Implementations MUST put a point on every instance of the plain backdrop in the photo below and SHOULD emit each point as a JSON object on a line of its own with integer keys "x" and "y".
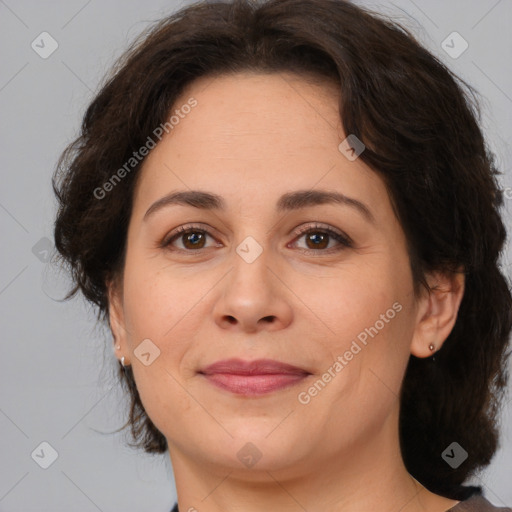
{"x": 56, "y": 365}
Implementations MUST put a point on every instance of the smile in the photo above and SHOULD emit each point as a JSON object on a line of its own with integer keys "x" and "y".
{"x": 252, "y": 378}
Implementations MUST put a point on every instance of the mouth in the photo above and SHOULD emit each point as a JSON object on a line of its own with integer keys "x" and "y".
{"x": 253, "y": 378}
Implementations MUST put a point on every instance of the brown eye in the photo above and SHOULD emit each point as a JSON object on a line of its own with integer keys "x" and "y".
{"x": 186, "y": 239}
{"x": 320, "y": 239}
{"x": 317, "y": 240}
{"x": 193, "y": 240}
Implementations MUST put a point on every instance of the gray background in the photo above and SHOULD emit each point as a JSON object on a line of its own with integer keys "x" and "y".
{"x": 56, "y": 369}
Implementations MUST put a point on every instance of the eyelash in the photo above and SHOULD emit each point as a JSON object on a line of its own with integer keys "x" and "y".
{"x": 344, "y": 240}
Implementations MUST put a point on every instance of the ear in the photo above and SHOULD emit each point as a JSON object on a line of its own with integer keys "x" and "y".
{"x": 116, "y": 315}
{"x": 437, "y": 312}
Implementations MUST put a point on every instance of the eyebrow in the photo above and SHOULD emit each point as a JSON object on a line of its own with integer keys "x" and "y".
{"x": 287, "y": 202}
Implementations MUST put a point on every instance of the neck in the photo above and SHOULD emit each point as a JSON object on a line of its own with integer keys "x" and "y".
{"x": 367, "y": 475}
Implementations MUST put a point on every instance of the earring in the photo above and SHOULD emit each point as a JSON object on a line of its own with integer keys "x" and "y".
{"x": 432, "y": 348}
{"x": 122, "y": 361}
{"x": 118, "y": 347}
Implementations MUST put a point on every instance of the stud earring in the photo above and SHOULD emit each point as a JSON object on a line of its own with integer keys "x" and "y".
{"x": 118, "y": 347}
{"x": 432, "y": 348}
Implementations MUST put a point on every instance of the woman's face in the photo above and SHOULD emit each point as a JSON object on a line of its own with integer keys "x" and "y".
{"x": 262, "y": 274}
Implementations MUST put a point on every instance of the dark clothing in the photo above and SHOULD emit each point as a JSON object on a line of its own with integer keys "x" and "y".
{"x": 475, "y": 503}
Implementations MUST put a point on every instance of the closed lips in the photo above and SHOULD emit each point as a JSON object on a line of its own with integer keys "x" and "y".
{"x": 253, "y": 378}
{"x": 256, "y": 367}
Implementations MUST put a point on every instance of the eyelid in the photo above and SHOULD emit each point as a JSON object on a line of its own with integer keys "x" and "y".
{"x": 175, "y": 233}
{"x": 342, "y": 238}
{"x": 344, "y": 241}
{"x": 323, "y": 227}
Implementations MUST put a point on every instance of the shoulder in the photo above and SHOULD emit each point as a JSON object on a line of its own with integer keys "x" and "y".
{"x": 478, "y": 504}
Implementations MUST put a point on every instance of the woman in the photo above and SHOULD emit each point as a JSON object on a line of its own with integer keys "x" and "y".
{"x": 287, "y": 214}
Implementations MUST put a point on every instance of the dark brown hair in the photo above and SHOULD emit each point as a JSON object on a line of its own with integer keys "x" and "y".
{"x": 419, "y": 123}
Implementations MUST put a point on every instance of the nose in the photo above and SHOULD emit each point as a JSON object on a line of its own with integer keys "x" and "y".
{"x": 253, "y": 298}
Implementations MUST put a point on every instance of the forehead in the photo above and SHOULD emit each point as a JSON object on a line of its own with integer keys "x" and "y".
{"x": 283, "y": 111}
{"x": 252, "y": 134}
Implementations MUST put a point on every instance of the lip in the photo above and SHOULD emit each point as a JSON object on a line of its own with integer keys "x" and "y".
{"x": 251, "y": 378}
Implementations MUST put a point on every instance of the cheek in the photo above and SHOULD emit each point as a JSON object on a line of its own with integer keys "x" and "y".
{"x": 164, "y": 400}
{"x": 355, "y": 300}
{"x": 156, "y": 306}
{"x": 155, "y": 299}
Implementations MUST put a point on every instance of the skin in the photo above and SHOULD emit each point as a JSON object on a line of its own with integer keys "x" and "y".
{"x": 250, "y": 139}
